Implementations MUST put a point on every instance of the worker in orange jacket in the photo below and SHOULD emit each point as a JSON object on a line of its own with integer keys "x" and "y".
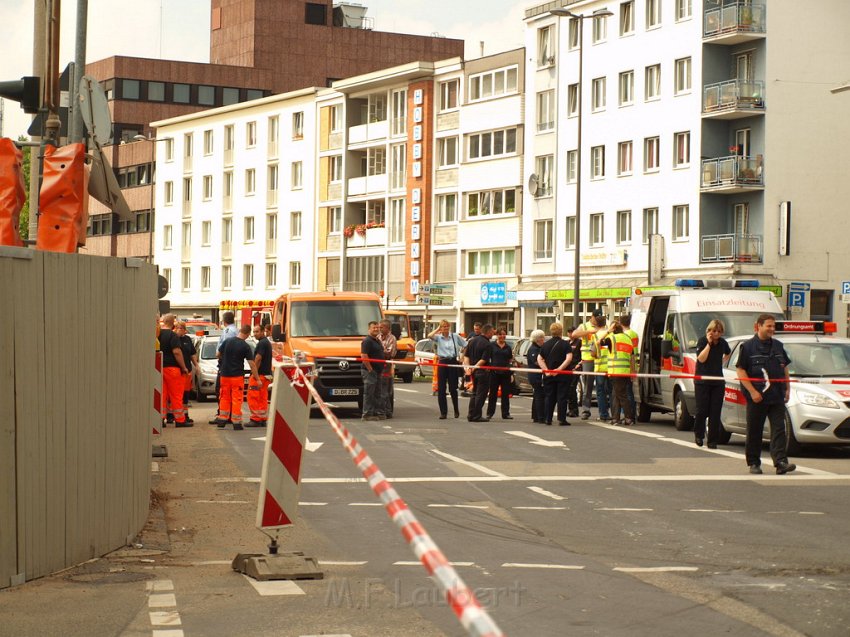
{"x": 258, "y": 390}
{"x": 174, "y": 371}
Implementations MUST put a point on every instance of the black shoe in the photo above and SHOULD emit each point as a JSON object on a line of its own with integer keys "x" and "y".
{"x": 443, "y": 416}
{"x": 457, "y": 414}
{"x": 563, "y": 423}
{"x": 549, "y": 422}
{"x": 255, "y": 423}
{"x": 237, "y": 427}
{"x": 214, "y": 421}
{"x": 572, "y": 414}
{"x": 220, "y": 422}
{"x": 187, "y": 423}
{"x": 474, "y": 419}
{"x": 508, "y": 417}
{"x": 785, "y": 467}
{"x": 698, "y": 441}
{"x": 169, "y": 420}
{"x": 712, "y": 445}
{"x": 754, "y": 468}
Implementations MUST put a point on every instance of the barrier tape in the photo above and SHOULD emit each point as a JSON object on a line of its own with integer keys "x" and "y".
{"x": 475, "y": 620}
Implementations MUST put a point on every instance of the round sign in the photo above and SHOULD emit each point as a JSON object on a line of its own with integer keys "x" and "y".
{"x": 484, "y": 293}
{"x": 161, "y": 286}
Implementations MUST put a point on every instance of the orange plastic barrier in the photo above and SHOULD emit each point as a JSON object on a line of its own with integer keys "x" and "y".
{"x": 12, "y": 192}
{"x": 64, "y": 199}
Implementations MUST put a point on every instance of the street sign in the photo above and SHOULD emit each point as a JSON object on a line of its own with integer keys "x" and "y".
{"x": 796, "y": 298}
{"x": 845, "y": 287}
{"x": 425, "y": 300}
{"x": 800, "y": 287}
{"x": 494, "y": 293}
{"x": 443, "y": 289}
{"x": 845, "y": 298}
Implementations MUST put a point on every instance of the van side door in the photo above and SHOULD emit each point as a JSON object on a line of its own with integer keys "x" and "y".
{"x": 672, "y": 356}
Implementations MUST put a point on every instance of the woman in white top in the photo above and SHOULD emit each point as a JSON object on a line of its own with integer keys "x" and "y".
{"x": 449, "y": 348}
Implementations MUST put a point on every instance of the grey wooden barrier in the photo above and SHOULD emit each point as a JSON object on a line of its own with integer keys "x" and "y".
{"x": 76, "y": 407}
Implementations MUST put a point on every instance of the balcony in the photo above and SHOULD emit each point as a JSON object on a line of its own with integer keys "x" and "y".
{"x": 734, "y": 21}
{"x": 374, "y": 237}
{"x": 732, "y": 174}
{"x": 367, "y": 185}
{"x": 733, "y": 99}
{"x": 731, "y": 248}
{"x": 371, "y": 132}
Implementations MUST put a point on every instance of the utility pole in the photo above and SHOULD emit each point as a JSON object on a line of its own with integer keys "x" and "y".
{"x": 39, "y": 69}
{"x": 75, "y": 117}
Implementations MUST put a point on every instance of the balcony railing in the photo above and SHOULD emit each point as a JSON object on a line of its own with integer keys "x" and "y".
{"x": 373, "y": 237}
{"x": 735, "y": 248}
{"x": 733, "y": 172}
{"x": 733, "y": 17}
{"x": 372, "y": 131}
{"x": 367, "y": 185}
{"x": 733, "y": 95}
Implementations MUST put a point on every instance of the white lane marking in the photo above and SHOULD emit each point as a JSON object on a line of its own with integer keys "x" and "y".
{"x": 468, "y": 463}
{"x": 162, "y": 600}
{"x": 365, "y": 504}
{"x": 334, "y": 563}
{"x": 458, "y": 506}
{"x": 165, "y": 618}
{"x": 412, "y": 563}
{"x": 160, "y": 585}
{"x": 275, "y": 587}
{"x": 548, "y": 494}
{"x": 154, "y": 467}
{"x": 565, "y": 567}
{"x": 312, "y": 446}
{"x": 167, "y": 633}
{"x": 339, "y": 635}
{"x": 224, "y": 480}
{"x": 812, "y": 513}
{"x": 540, "y": 508}
{"x": 312, "y": 504}
{"x": 222, "y": 501}
{"x": 619, "y": 509}
{"x": 712, "y": 510}
{"x": 657, "y": 569}
{"x": 627, "y": 478}
{"x": 409, "y": 391}
{"x": 261, "y": 438}
{"x": 212, "y": 563}
{"x": 536, "y": 440}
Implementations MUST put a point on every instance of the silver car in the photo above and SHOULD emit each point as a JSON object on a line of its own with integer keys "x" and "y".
{"x": 204, "y": 381}
{"x": 818, "y": 411}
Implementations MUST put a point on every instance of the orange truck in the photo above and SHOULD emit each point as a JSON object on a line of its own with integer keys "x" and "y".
{"x": 326, "y": 328}
{"x": 400, "y": 327}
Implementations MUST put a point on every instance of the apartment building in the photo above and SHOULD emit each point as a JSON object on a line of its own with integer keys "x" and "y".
{"x": 694, "y": 115}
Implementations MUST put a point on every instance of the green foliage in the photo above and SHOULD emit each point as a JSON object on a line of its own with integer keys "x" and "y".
{"x": 25, "y": 211}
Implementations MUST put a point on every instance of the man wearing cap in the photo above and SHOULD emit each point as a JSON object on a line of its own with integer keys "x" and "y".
{"x": 587, "y": 333}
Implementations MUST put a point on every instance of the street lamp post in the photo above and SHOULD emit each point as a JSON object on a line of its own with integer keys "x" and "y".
{"x": 561, "y": 12}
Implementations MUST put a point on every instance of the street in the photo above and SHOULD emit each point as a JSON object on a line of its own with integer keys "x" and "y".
{"x": 581, "y": 530}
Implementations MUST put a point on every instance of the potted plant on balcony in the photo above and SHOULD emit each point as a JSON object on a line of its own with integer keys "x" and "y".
{"x": 348, "y": 232}
{"x": 360, "y": 229}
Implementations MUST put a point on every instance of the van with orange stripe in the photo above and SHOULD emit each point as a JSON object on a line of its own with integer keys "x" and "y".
{"x": 669, "y": 322}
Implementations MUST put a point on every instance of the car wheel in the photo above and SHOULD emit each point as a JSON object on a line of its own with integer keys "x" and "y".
{"x": 683, "y": 420}
{"x": 644, "y": 412}
{"x": 408, "y": 377}
{"x": 417, "y": 372}
{"x": 792, "y": 447}
{"x": 725, "y": 436}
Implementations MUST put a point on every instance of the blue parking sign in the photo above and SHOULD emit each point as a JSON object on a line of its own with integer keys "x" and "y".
{"x": 796, "y": 298}
{"x": 845, "y": 287}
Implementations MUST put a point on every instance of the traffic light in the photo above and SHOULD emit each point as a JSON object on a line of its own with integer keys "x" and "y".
{"x": 26, "y": 90}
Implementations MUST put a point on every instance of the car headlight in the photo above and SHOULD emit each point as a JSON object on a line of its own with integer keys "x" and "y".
{"x": 817, "y": 400}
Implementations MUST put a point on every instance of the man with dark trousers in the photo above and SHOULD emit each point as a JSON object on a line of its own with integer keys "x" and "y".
{"x": 258, "y": 393}
{"x": 477, "y": 354}
{"x": 372, "y": 356}
{"x": 554, "y": 357}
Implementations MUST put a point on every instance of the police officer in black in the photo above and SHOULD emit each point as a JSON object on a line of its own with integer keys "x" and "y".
{"x": 555, "y": 356}
{"x": 478, "y": 353}
{"x": 764, "y": 357}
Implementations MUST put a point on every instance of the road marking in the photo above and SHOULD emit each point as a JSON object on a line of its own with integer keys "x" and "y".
{"x": 261, "y": 439}
{"x": 332, "y": 563}
{"x": 713, "y": 511}
{"x": 160, "y": 585}
{"x": 657, "y": 569}
{"x": 540, "y": 508}
{"x": 548, "y": 494}
{"x": 565, "y": 567}
{"x": 409, "y": 391}
{"x": 340, "y": 635}
{"x": 165, "y": 618}
{"x": 536, "y": 440}
{"x": 458, "y": 506}
{"x": 619, "y": 509}
{"x": 365, "y": 504}
{"x": 627, "y": 478}
{"x": 412, "y": 563}
{"x": 275, "y": 587}
{"x": 154, "y": 467}
{"x": 312, "y": 446}
{"x": 222, "y": 501}
{"x": 212, "y": 563}
{"x": 478, "y": 467}
{"x": 312, "y": 504}
{"x": 162, "y": 600}
{"x": 167, "y": 633}
{"x": 812, "y": 513}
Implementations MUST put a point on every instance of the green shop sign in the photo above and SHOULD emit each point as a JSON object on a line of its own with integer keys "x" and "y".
{"x": 624, "y": 293}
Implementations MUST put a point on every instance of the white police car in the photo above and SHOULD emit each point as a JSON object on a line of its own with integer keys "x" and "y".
{"x": 818, "y": 410}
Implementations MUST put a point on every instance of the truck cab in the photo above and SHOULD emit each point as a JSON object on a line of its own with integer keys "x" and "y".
{"x": 400, "y": 327}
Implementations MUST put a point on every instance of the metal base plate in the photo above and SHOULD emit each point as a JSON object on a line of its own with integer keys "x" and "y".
{"x": 159, "y": 451}
{"x": 292, "y": 565}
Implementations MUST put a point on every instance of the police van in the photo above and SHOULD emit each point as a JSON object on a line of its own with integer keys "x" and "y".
{"x": 669, "y": 323}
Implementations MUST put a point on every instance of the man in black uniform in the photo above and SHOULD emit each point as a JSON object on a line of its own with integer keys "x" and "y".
{"x": 190, "y": 357}
{"x": 258, "y": 393}
{"x": 764, "y": 357}
{"x": 477, "y": 354}
{"x": 556, "y": 356}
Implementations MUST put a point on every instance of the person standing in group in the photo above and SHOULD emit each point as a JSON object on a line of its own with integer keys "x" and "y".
{"x": 232, "y": 357}
{"x": 573, "y": 366}
{"x": 554, "y": 358}
{"x": 713, "y": 352}
{"x": 535, "y": 379}
{"x": 586, "y": 332}
{"x": 390, "y": 345}
{"x": 258, "y": 392}
{"x": 478, "y": 353}
{"x": 501, "y": 357}
{"x": 626, "y": 322}
{"x": 190, "y": 357}
{"x": 764, "y": 357}
{"x": 469, "y": 387}
{"x": 620, "y": 368}
{"x": 230, "y": 331}
{"x": 449, "y": 348}
{"x": 174, "y": 371}
{"x": 372, "y": 355}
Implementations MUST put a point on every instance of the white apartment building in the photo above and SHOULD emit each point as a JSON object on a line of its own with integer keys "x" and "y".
{"x": 698, "y": 124}
{"x": 235, "y": 202}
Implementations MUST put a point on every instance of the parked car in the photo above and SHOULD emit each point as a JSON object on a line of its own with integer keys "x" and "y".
{"x": 521, "y": 360}
{"x": 204, "y": 380}
{"x": 424, "y": 355}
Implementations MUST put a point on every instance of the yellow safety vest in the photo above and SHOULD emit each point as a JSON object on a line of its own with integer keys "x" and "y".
{"x": 632, "y": 335}
{"x": 601, "y": 364}
{"x": 620, "y": 362}
{"x": 586, "y": 342}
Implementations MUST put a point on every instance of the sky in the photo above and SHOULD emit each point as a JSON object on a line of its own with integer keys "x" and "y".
{"x": 179, "y": 30}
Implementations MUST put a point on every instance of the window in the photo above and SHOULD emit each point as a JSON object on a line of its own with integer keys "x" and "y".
{"x": 493, "y": 84}
{"x": 166, "y": 272}
{"x": 574, "y": 34}
{"x": 271, "y": 226}
{"x": 447, "y": 208}
{"x": 336, "y": 118}
{"x": 251, "y": 134}
{"x": 336, "y": 169}
{"x": 484, "y": 262}
{"x": 208, "y": 142}
{"x": 597, "y": 162}
{"x": 627, "y": 88}
{"x": 624, "y": 158}
{"x": 273, "y": 127}
{"x": 169, "y": 149}
{"x": 570, "y": 237}
{"x": 273, "y": 177}
{"x": 377, "y": 106}
{"x": 205, "y": 277}
{"x": 298, "y": 125}
{"x": 597, "y": 229}
{"x": 248, "y": 276}
{"x": 167, "y": 232}
{"x": 545, "y": 111}
{"x": 229, "y": 96}
{"x": 492, "y": 143}
{"x": 572, "y": 100}
{"x": 398, "y": 167}
{"x": 187, "y": 145}
{"x": 545, "y": 47}
{"x": 375, "y": 212}
{"x": 187, "y": 190}
{"x": 572, "y": 166}
{"x": 627, "y": 17}
{"x": 226, "y": 277}
{"x": 249, "y": 229}
{"x": 683, "y": 76}
{"x": 181, "y": 94}
{"x": 600, "y": 29}
{"x": 650, "y": 223}
{"x": 334, "y": 220}
{"x": 271, "y": 275}
{"x": 186, "y": 278}
{"x": 228, "y": 184}
{"x": 206, "y": 95}
{"x": 297, "y": 175}
{"x": 156, "y": 91}
{"x": 398, "y": 106}
{"x": 448, "y": 95}
{"x": 682, "y": 144}
{"x": 169, "y": 193}
{"x": 206, "y": 233}
{"x": 229, "y": 138}
{"x": 599, "y": 89}
{"x": 397, "y": 218}
{"x": 208, "y": 187}
{"x": 653, "y": 82}
{"x": 545, "y": 169}
{"x": 624, "y": 227}
{"x": 315, "y": 13}
{"x": 130, "y": 89}
{"x": 684, "y": 9}
{"x": 250, "y": 181}
{"x": 680, "y": 222}
{"x": 447, "y": 154}
{"x": 653, "y": 13}
{"x": 295, "y": 225}
{"x": 376, "y": 161}
{"x": 651, "y": 154}
{"x": 543, "y": 240}
{"x": 295, "y": 274}
{"x": 226, "y": 231}
{"x": 490, "y": 202}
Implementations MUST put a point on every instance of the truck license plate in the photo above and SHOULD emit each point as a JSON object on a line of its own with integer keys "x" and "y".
{"x": 345, "y": 392}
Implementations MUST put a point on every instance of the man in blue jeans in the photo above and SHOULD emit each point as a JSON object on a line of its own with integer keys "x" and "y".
{"x": 372, "y": 354}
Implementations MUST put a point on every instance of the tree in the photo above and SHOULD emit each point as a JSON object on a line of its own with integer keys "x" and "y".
{"x": 25, "y": 211}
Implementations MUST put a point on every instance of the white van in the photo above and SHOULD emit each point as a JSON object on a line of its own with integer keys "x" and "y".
{"x": 669, "y": 323}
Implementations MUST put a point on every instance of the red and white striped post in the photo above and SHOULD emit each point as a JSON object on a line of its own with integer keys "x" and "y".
{"x": 156, "y": 417}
